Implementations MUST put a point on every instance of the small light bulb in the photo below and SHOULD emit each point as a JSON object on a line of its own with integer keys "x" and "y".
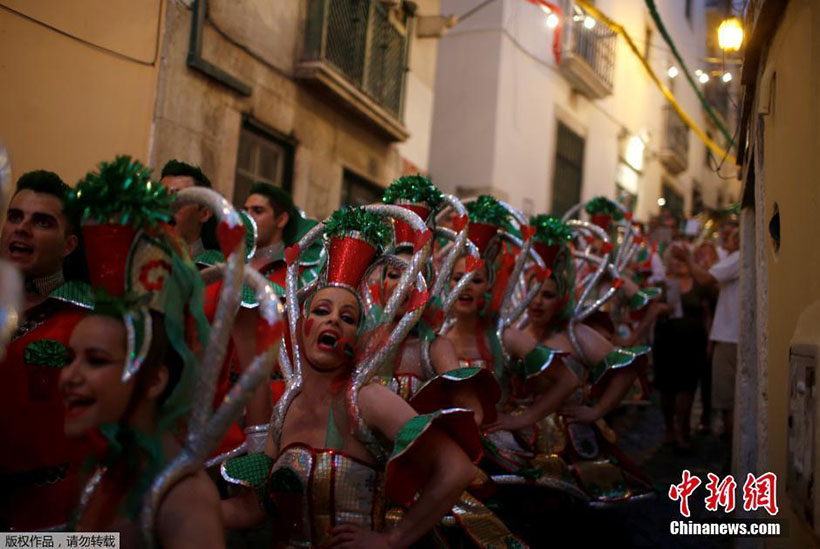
{"x": 703, "y": 78}
{"x": 552, "y": 20}
{"x": 661, "y": 201}
{"x": 698, "y": 72}
{"x": 672, "y": 71}
{"x": 727, "y": 77}
{"x": 589, "y": 22}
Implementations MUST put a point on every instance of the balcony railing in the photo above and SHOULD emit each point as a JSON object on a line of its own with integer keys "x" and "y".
{"x": 358, "y": 49}
{"x": 675, "y": 146}
{"x": 588, "y": 61}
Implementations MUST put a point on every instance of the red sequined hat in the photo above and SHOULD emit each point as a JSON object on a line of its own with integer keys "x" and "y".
{"x": 354, "y": 237}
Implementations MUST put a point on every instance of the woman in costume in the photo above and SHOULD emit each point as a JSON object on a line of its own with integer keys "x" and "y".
{"x": 424, "y": 358}
{"x": 578, "y": 435}
{"x": 133, "y": 376}
{"x": 474, "y": 332}
{"x": 325, "y": 476}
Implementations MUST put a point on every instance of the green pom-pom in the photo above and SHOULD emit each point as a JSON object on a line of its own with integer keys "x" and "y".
{"x": 121, "y": 192}
{"x": 415, "y": 188}
{"x": 486, "y": 209}
{"x": 370, "y": 226}
{"x": 550, "y": 230}
{"x": 604, "y": 206}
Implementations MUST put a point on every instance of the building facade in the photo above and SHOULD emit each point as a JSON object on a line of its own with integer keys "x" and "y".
{"x": 780, "y": 295}
{"x": 79, "y": 82}
{"x": 331, "y": 100}
{"x": 545, "y": 121}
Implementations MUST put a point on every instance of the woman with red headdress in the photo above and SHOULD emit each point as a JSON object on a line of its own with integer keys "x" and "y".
{"x": 132, "y": 365}
{"x": 576, "y": 444}
{"x": 326, "y": 476}
{"x": 516, "y": 357}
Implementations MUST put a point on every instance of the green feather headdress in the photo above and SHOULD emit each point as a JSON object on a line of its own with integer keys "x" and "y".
{"x": 414, "y": 188}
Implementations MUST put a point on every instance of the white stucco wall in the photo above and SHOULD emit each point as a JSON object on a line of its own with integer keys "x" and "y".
{"x": 510, "y": 39}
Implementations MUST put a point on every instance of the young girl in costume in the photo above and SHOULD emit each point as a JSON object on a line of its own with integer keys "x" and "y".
{"x": 326, "y": 476}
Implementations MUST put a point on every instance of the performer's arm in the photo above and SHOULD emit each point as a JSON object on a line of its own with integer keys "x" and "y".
{"x": 447, "y": 467}
{"x": 189, "y": 516}
{"x": 260, "y": 407}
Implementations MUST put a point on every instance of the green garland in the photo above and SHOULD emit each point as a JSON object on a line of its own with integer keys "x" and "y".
{"x": 604, "y": 206}
{"x": 415, "y": 188}
{"x": 486, "y": 209}
{"x": 371, "y": 226}
{"x": 121, "y": 192}
{"x": 550, "y": 230}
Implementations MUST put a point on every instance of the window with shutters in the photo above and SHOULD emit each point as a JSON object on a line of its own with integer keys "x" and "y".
{"x": 261, "y": 157}
{"x": 569, "y": 162}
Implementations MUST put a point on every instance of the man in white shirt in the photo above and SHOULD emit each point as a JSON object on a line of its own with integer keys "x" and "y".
{"x": 725, "y": 276}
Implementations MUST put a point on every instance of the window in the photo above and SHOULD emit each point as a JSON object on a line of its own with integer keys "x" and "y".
{"x": 569, "y": 161}
{"x": 674, "y": 200}
{"x": 697, "y": 199}
{"x": 626, "y": 185}
{"x": 262, "y": 157}
{"x": 688, "y": 9}
{"x": 358, "y": 191}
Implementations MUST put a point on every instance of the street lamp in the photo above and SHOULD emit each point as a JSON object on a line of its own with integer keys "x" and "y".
{"x": 727, "y": 77}
{"x": 730, "y": 34}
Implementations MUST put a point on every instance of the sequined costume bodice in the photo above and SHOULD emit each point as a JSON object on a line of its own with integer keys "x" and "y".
{"x": 406, "y": 385}
{"x": 316, "y": 489}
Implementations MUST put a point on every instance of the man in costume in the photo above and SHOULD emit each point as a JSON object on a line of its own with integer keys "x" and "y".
{"x": 190, "y": 220}
{"x": 279, "y": 224}
{"x": 38, "y": 482}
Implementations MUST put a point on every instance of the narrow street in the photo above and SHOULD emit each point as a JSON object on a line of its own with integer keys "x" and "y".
{"x": 645, "y": 524}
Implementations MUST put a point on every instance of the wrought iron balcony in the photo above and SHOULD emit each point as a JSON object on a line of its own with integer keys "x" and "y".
{"x": 357, "y": 50}
{"x": 674, "y": 153}
{"x": 588, "y": 61}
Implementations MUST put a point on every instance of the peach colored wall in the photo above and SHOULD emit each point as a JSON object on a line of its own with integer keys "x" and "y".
{"x": 66, "y": 105}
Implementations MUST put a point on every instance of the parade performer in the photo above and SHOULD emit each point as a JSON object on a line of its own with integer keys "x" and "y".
{"x": 279, "y": 224}
{"x": 578, "y": 440}
{"x": 425, "y": 370}
{"x": 197, "y": 226}
{"x": 327, "y": 476}
{"x": 474, "y": 388}
{"x": 133, "y": 375}
{"x": 474, "y": 331}
{"x": 39, "y": 469}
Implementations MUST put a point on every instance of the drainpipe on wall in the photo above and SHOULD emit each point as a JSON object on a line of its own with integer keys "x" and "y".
{"x": 195, "y": 60}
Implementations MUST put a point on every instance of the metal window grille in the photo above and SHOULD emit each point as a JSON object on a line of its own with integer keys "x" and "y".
{"x": 674, "y": 200}
{"x": 365, "y": 42}
{"x": 596, "y": 46}
{"x": 569, "y": 161}
{"x": 676, "y": 133}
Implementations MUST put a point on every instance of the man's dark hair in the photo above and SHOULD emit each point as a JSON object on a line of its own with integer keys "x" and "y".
{"x": 45, "y": 182}
{"x": 278, "y": 198}
{"x": 176, "y": 168}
